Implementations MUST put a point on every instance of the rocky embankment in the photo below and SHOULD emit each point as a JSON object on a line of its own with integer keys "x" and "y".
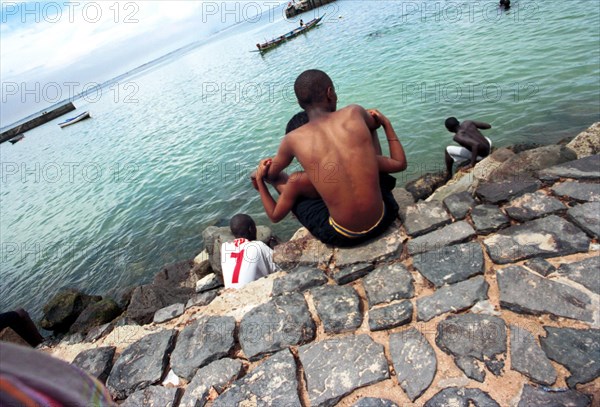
{"x": 486, "y": 294}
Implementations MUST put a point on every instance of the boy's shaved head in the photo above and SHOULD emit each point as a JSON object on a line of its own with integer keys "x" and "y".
{"x": 311, "y": 87}
{"x": 242, "y": 225}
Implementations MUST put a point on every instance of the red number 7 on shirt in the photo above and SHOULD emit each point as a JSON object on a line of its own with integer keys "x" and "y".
{"x": 239, "y": 258}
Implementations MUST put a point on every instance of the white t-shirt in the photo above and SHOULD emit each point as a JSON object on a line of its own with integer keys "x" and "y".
{"x": 244, "y": 261}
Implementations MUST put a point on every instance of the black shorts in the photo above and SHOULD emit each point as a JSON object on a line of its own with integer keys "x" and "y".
{"x": 314, "y": 216}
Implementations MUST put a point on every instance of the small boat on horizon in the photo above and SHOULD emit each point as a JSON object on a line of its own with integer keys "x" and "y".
{"x": 73, "y": 120}
{"x": 266, "y": 46}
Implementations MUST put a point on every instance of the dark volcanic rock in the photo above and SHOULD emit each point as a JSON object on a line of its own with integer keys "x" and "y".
{"x": 203, "y": 341}
{"x": 152, "y": 396}
{"x": 533, "y": 206}
{"x": 454, "y": 233}
{"x": 584, "y": 168}
{"x": 424, "y": 217}
{"x": 388, "y": 246}
{"x": 498, "y": 192}
{"x": 424, "y": 186}
{"x": 141, "y": 364}
{"x": 547, "y": 237}
{"x": 149, "y": 298}
{"x": 587, "y": 217}
{"x": 168, "y": 313}
{"x": 456, "y": 297}
{"x": 471, "y": 337}
{"x": 576, "y": 349}
{"x": 98, "y": 332}
{"x": 579, "y": 191}
{"x": 96, "y": 361}
{"x": 540, "y": 266}
{"x": 351, "y": 273}
{"x": 404, "y": 199}
{"x": 96, "y": 314}
{"x": 535, "y": 396}
{"x": 374, "y": 402}
{"x": 338, "y": 308}
{"x": 270, "y": 327}
{"x": 390, "y": 316}
{"x": 488, "y": 218}
{"x": 459, "y": 204}
{"x": 299, "y": 281}
{"x": 273, "y": 383}
{"x": 333, "y": 368}
{"x": 64, "y": 308}
{"x": 528, "y": 358}
{"x": 388, "y": 283}
{"x": 450, "y": 264}
{"x": 585, "y": 272}
{"x": 218, "y": 374}
{"x": 202, "y": 299}
{"x": 461, "y": 397}
{"x": 414, "y": 361}
{"x": 528, "y": 293}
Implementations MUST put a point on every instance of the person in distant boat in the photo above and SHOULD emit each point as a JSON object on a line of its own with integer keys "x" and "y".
{"x": 298, "y": 185}
{"x": 245, "y": 259}
{"x": 338, "y": 153}
{"x": 505, "y": 4}
{"x": 301, "y": 23}
{"x": 473, "y": 145}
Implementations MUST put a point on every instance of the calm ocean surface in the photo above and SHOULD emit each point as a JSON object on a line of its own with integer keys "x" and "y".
{"x": 103, "y": 204}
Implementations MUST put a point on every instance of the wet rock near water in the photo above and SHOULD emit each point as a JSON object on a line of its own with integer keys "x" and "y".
{"x": 528, "y": 358}
{"x": 528, "y": 293}
{"x": 141, "y": 364}
{"x": 284, "y": 321}
{"x": 578, "y": 191}
{"x": 299, "y": 280}
{"x": 457, "y": 232}
{"x": 388, "y": 283}
{"x": 390, "y": 316}
{"x": 98, "y": 332}
{"x": 203, "y": 341}
{"x": 153, "y": 396}
{"x": 576, "y": 349}
{"x": 350, "y": 273}
{"x": 386, "y": 247}
{"x": 541, "y": 396}
{"x": 547, "y": 237}
{"x": 586, "y": 217}
{"x": 338, "y": 308}
{"x": 452, "y": 298}
{"x": 459, "y": 204}
{"x": 585, "y": 272}
{"x": 97, "y": 361}
{"x": 424, "y": 217}
{"x": 207, "y": 283}
{"x": 218, "y": 374}
{"x": 273, "y": 383}
{"x": 587, "y": 142}
{"x": 471, "y": 338}
{"x": 488, "y": 219}
{"x": 149, "y": 298}
{"x": 499, "y": 192}
{"x": 533, "y": 206}
{"x": 424, "y": 186}
{"x": 333, "y": 368}
{"x": 96, "y": 314}
{"x": 451, "y": 264}
{"x": 64, "y": 308}
{"x": 414, "y": 361}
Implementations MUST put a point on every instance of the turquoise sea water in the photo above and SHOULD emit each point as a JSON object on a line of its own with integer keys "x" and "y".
{"x": 102, "y": 205}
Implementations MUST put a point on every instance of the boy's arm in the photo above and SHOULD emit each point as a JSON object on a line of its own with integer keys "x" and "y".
{"x": 481, "y": 125}
{"x": 280, "y": 162}
{"x": 397, "y": 160}
{"x": 276, "y": 210}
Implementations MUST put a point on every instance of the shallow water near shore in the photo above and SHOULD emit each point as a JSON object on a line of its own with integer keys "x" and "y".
{"x": 103, "y": 204}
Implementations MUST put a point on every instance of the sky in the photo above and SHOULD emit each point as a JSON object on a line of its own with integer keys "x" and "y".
{"x": 50, "y": 50}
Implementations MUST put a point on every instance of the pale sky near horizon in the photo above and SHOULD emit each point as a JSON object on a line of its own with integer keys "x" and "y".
{"x": 43, "y": 43}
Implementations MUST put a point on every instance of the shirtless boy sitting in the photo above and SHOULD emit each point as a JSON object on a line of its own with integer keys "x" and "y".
{"x": 339, "y": 156}
{"x": 474, "y": 146}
